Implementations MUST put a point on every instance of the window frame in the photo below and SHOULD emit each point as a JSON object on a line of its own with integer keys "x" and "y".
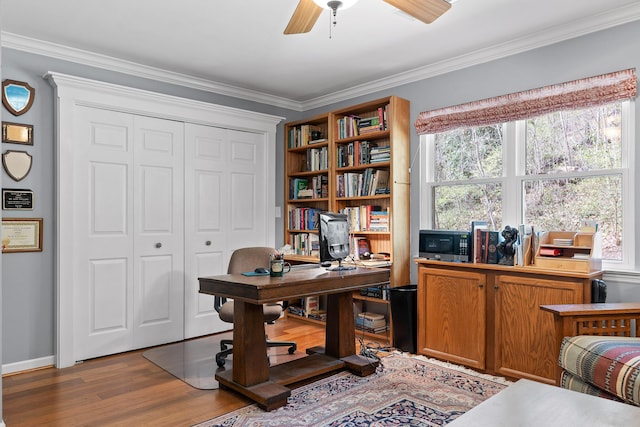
{"x": 513, "y": 180}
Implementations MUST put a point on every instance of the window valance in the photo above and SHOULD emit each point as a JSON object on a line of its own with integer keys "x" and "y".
{"x": 572, "y": 95}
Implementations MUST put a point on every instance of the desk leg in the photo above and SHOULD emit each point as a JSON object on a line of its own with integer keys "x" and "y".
{"x": 340, "y": 340}
{"x": 250, "y": 372}
{"x": 250, "y": 364}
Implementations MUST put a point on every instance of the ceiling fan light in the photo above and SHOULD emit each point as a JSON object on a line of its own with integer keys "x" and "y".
{"x": 345, "y": 4}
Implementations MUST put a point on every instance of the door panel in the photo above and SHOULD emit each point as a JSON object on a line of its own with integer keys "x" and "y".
{"x": 226, "y": 208}
{"x": 103, "y": 293}
{"x": 524, "y": 334}
{"x": 159, "y": 238}
{"x": 452, "y": 308}
{"x": 129, "y": 288}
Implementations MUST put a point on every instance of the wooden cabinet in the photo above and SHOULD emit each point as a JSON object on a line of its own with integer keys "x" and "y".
{"x": 452, "y": 301}
{"x": 331, "y": 164}
{"x": 524, "y": 336}
{"x": 488, "y": 316}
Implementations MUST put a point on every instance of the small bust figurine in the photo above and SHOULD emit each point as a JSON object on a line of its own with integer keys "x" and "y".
{"x": 507, "y": 247}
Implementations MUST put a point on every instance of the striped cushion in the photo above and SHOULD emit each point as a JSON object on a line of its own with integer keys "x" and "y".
{"x": 571, "y": 382}
{"x": 611, "y": 364}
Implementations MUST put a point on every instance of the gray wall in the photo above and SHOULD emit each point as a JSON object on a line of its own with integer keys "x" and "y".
{"x": 28, "y": 316}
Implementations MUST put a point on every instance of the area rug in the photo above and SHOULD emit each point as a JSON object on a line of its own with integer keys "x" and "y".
{"x": 193, "y": 361}
{"x": 404, "y": 391}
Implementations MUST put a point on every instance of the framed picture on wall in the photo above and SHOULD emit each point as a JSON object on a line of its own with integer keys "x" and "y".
{"x": 21, "y": 235}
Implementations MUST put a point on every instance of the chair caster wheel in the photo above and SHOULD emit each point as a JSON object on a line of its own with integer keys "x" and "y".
{"x": 220, "y": 362}
{"x": 292, "y": 349}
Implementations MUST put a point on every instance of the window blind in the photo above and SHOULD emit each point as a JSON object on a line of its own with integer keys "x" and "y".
{"x": 576, "y": 94}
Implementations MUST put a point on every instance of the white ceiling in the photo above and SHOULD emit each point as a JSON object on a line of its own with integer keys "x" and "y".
{"x": 237, "y": 47}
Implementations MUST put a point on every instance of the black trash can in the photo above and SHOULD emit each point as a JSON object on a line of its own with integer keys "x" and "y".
{"x": 404, "y": 309}
{"x": 598, "y": 291}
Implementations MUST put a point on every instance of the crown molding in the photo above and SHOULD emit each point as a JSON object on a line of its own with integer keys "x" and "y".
{"x": 522, "y": 44}
{"x": 66, "y": 53}
{"x": 549, "y": 36}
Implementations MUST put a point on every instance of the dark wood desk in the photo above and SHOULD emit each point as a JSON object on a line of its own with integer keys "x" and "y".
{"x": 251, "y": 374}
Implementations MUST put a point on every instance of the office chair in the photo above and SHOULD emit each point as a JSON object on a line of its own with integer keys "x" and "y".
{"x": 243, "y": 260}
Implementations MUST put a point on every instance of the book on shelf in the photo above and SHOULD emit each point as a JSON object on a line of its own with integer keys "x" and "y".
{"x": 524, "y": 245}
{"x": 317, "y": 159}
{"x": 318, "y": 315}
{"x": 489, "y": 246}
{"x": 309, "y": 188}
{"x": 305, "y": 244}
{"x": 306, "y": 134}
{"x": 551, "y": 252}
{"x": 311, "y": 303}
{"x": 474, "y": 250}
{"x": 371, "y": 320}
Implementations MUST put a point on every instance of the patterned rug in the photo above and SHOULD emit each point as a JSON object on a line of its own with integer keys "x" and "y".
{"x": 404, "y": 391}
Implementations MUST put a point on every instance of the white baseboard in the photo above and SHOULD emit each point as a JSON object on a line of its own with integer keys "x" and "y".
{"x": 27, "y": 365}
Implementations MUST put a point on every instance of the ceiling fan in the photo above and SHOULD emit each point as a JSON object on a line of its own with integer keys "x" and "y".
{"x": 308, "y": 11}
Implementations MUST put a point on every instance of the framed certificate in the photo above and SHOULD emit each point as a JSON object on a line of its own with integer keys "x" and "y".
{"x": 21, "y": 235}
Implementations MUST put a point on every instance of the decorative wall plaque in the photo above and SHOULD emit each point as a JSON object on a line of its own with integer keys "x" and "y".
{"x": 17, "y": 164}
{"x": 17, "y": 96}
{"x": 17, "y": 199}
{"x": 16, "y": 133}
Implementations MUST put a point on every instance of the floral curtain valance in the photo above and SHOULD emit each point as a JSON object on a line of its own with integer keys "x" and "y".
{"x": 572, "y": 95}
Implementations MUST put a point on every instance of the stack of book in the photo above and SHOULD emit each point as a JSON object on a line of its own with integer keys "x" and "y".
{"x": 379, "y": 154}
{"x": 379, "y": 220}
{"x": 371, "y": 322}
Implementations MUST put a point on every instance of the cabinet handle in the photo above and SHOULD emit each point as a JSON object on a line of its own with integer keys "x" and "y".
{"x": 496, "y": 287}
{"x": 480, "y": 285}
{"x": 158, "y": 245}
{"x": 208, "y": 243}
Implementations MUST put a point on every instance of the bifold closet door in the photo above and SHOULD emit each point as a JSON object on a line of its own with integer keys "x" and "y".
{"x": 226, "y": 208}
{"x": 128, "y": 291}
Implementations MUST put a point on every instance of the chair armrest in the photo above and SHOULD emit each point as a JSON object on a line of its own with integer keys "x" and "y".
{"x": 613, "y": 319}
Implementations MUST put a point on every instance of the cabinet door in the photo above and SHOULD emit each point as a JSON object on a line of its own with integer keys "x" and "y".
{"x": 524, "y": 335}
{"x": 452, "y": 316}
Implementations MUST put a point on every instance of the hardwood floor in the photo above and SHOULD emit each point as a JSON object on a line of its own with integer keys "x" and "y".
{"x": 127, "y": 390}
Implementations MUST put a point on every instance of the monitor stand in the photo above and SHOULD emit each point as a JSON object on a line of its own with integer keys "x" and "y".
{"x": 341, "y": 267}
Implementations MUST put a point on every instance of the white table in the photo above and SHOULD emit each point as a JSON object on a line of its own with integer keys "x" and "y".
{"x": 532, "y": 404}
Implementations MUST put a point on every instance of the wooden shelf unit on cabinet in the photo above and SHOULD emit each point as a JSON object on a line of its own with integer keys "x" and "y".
{"x": 568, "y": 250}
{"x": 487, "y": 316}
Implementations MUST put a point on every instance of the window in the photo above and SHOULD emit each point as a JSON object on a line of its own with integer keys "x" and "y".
{"x": 552, "y": 170}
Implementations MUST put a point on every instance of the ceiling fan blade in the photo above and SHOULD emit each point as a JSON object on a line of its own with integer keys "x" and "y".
{"x": 426, "y": 11}
{"x": 304, "y": 17}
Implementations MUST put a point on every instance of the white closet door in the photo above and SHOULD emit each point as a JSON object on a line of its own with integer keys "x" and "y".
{"x": 103, "y": 292}
{"x": 158, "y": 231}
{"x": 127, "y": 292}
{"x": 226, "y": 208}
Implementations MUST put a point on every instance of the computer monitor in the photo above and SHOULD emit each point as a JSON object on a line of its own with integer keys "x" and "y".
{"x": 334, "y": 239}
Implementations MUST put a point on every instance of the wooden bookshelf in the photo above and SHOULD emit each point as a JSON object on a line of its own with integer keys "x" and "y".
{"x": 381, "y": 153}
{"x": 337, "y": 132}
